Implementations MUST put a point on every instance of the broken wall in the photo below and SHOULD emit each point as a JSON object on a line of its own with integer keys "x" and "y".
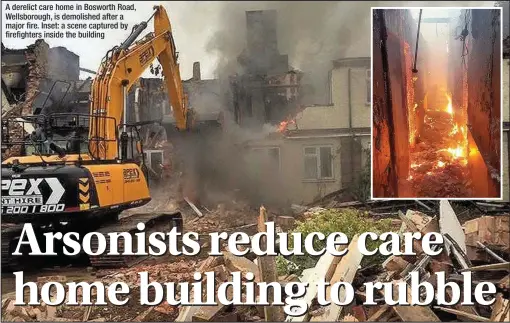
{"x": 506, "y": 127}
{"x": 292, "y": 183}
{"x": 152, "y": 100}
{"x": 23, "y": 69}
{"x": 350, "y": 89}
{"x": 484, "y": 91}
{"x": 263, "y": 76}
{"x": 30, "y": 74}
{"x": 63, "y": 64}
{"x": 204, "y": 96}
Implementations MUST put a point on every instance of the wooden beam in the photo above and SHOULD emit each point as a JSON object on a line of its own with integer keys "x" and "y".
{"x": 267, "y": 271}
{"x": 242, "y": 264}
{"x": 463, "y": 308}
{"x": 345, "y": 272}
{"x": 498, "y": 266}
{"x": 383, "y": 309}
{"x": 501, "y": 309}
{"x": 193, "y": 207}
{"x": 413, "y": 313}
{"x": 476, "y": 318}
{"x": 323, "y": 271}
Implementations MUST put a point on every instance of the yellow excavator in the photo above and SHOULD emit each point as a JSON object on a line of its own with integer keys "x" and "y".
{"x": 63, "y": 179}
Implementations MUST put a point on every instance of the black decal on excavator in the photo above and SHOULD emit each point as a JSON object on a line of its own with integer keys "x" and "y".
{"x": 101, "y": 174}
{"x": 102, "y": 177}
{"x": 131, "y": 175}
{"x": 146, "y": 56}
{"x": 32, "y": 195}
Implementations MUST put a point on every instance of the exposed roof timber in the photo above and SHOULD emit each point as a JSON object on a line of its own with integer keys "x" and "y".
{"x": 83, "y": 69}
{"x": 352, "y": 62}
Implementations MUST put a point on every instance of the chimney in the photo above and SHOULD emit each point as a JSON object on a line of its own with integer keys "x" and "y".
{"x": 196, "y": 71}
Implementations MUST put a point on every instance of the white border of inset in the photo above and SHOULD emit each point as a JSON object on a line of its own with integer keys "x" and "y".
{"x": 501, "y": 173}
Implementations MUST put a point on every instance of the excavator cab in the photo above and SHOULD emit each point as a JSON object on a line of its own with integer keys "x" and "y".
{"x": 85, "y": 169}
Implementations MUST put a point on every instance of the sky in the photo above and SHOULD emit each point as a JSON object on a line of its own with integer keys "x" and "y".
{"x": 194, "y": 24}
{"x": 189, "y": 37}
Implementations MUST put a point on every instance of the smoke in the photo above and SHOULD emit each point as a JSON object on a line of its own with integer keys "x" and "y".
{"x": 312, "y": 33}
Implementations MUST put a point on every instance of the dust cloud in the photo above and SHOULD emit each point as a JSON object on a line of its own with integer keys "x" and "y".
{"x": 312, "y": 33}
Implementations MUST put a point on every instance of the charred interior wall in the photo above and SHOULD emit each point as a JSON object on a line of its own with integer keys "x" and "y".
{"x": 259, "y": 91}
{"x": 457, "y": 68}
{"x": 394, "y": 37}
{"x": 506, "y": 119}
{"x": 40, "y": 79}
{"x": 147, "y": 100}
{"x": 484, "y": 90}
{"x": 204, "y": 96}
{"x": 22, "y": 72}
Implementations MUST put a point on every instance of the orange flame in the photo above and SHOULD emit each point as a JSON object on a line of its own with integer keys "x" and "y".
{"x": 455, "y": 130}
{"x": 284, "y": 124}
{"x": 458, "y": 152}
{"x": 449, "y": 107}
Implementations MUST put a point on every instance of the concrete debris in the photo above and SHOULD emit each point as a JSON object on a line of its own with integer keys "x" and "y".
{"x": 488, "y": 232}
{"x": 396, "y": 268}
{"x": 449, "y": 224}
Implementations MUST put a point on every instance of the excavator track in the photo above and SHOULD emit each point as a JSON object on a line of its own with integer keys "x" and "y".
{"x": 154, "y": 222}
{"x": 10, "y": 233}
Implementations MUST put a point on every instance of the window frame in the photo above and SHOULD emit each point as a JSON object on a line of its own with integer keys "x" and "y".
{"x": 318, "y": 163}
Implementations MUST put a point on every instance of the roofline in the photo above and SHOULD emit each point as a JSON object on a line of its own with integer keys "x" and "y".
{"x": 351, "y": 59}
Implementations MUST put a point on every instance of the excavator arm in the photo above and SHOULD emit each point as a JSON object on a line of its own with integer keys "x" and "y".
{"x": 119, "y": 70}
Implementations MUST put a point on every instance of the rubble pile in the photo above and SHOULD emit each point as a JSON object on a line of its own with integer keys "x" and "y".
{"x": 36, "y": 60}
{"x": 177, "y": 271}
{"x": 488, "y": 235}
{"x": 228, "y": 216}
{"x": 439, "y": 159}
{"x": 481, "y": 245}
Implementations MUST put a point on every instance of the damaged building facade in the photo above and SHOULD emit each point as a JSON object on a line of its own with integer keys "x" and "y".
{"x": 324, "y": 149}
{"x": 267, "y": 90}
{"x": 40, "y": 79}
{"x": 412, "y": 108}
{"x": 304, "y": 152}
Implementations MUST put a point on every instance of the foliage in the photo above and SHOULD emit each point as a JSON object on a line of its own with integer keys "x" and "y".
{"x": 348, "y": 221}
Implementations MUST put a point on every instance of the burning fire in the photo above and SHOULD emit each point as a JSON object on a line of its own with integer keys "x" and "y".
{"x": 415, "y": 165}
{"x": 463, "y": 129}
{"x": 449, "y": 107}
{"x": 458, "y": 152}
{"x": 284, "y": 124}
{"x": 455, "y": 130}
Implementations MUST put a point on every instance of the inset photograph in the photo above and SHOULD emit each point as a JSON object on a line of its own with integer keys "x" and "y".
{"x": 437, "y": 102}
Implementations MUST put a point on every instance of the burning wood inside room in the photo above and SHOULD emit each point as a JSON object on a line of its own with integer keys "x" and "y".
{"x": 437, "y": 103}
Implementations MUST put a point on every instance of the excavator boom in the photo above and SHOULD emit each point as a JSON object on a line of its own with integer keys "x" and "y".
{"x": 120, "y": 69}
{"x": 72, "y": 191}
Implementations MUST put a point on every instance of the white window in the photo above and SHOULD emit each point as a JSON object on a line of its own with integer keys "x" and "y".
{"x": 318, "y": 163}
{"x": 368, "y": 83}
